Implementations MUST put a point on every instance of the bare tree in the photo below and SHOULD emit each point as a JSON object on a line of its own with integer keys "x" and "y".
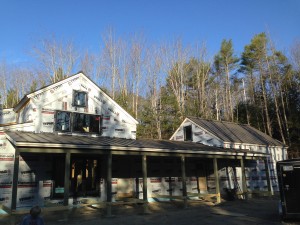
{"x": 175, "y": 60}
{"x": 202, "y": 72}
{"x": 3, "y": 84}
{"x": 56, "y": 55}
{"x": 123, "y": 80}
{"x": 88, "y": 64}
{"x": 154, "y": 77}
{"x": 110, "y": 57}
{"x": 295, "y": 55}
{"x": 137, "y": 68}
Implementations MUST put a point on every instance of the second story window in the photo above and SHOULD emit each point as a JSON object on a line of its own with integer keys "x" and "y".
{"x": 86, "y": 123}
{"x": 63, "y": 121}
{"x": 79, "y": 99}
{"x": 188, "y": 133}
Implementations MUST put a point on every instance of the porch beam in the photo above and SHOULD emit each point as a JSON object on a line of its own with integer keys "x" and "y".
{"x": 244, "y": 183}
{"x": 109, "y": 185}
{"x": 145, "y": 187}
{"x": 128, "y": 152}
{"x": 183, "y": 177}
{"x": 268, "y": 177}
{"x": 15, "y": 180}
{"x": 67, "y": 178}
{"x": 217, "y": 183}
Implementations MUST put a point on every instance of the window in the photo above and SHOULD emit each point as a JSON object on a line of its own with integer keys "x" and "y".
{"x": 79, "y": 98}
{"x": 81, "y": 122}
{"x": 63, "y": 120}
{"x": 188, "y": 133}
{"x": 86, "y": 123}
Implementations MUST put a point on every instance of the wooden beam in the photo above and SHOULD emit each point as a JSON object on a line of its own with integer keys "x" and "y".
{"x": 129, "y": 152}
{"x": 267, "y": 169}
{"x": 67, "y": 178}
{"x": 15, "y": 180}
{"x": 244, "y": 184}
{"x": 183, "y": 177}
{"x": 217, "y": 183}
{"x": 145, "y": 188}
{"x": 108, "y": 185}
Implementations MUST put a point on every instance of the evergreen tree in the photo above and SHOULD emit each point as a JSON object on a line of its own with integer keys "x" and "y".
{"x": 225, "y": 64}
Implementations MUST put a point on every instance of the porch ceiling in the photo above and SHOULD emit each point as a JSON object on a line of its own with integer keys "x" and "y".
{"x": 28, "y": 140}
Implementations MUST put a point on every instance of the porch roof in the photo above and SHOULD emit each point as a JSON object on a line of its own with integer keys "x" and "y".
{"x": 45, "y": 142}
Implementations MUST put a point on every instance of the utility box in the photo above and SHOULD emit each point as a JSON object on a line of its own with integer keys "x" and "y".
{"x": 288, "y": 172}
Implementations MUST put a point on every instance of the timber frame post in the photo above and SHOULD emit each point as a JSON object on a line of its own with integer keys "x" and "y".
{"x": 217, "y": 183}
{"x": 145, "y": 187}
{"x": 268, "y": 177}
{"x": 15, "y": 181}
{"x": 108, "y": 185}
{"x": 67, "y": 178}
{"x": 244, "y": 183}
{"x": 183, "y": 177}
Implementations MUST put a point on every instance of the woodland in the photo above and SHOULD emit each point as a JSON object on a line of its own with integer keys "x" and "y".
{"x": 160, "y": 84}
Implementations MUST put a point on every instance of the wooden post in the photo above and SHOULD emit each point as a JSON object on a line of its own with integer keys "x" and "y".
{"x": 145, "y": 194}
{"x": 244, "y": 184}
{"x": 67, "y": 178}
{"x": 15, "y": 180}
{"x": 270, "y": 190}
{"x": 183, "y": 177}
{"x": 217, "y": 183}
{"x": 83, "y": 177}
{"x": 108, "y": 185}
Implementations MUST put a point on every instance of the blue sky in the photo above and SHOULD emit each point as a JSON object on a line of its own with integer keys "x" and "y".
{"x": 24, "y": 23}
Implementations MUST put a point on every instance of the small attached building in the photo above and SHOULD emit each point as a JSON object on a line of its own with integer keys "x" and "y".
{"x": 230, "y": 135}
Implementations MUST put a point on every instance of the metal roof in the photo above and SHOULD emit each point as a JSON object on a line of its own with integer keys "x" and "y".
{"x": 234, "y": 132}
{"x": 49, "y": 140}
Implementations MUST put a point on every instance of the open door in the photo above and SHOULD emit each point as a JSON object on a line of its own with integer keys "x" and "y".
{"x": 85, "y": 177}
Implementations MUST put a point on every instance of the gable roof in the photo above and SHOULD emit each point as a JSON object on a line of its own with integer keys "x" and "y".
{"x": 27, "y": 97}
{"x": 234, "y": 132}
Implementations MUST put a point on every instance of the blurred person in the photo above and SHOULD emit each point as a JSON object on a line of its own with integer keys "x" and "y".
{"x": 34, "y": 217}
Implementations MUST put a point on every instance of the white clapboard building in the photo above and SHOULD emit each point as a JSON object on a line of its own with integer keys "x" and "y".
{"x": 229, "y": 135}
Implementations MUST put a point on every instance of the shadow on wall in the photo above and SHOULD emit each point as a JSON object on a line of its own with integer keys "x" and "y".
{"x": 7, "y": 116}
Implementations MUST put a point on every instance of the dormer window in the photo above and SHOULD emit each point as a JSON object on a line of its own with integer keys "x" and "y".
{"x": 79, "y": 99}
{"x": 63, "y": 121}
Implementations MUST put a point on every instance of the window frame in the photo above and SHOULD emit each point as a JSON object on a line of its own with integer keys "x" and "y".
{"x": 75, "y": 102}
{"x": 56, "y": 122}
{"x": 72, "y": 122}
{"x": 187, "y": 129}
{"x": 89, "y": 125}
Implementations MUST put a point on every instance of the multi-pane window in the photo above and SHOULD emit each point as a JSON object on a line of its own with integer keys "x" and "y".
{"x": 79, "y": 98}
{"x": 86, "y": 123}
{"x": 63, "y": 121}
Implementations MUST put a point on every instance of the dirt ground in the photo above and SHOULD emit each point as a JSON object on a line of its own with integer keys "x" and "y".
{"x": 253, "y": 211}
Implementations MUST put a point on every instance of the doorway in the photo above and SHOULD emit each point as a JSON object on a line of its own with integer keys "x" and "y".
{"x": 85, "y": 176}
